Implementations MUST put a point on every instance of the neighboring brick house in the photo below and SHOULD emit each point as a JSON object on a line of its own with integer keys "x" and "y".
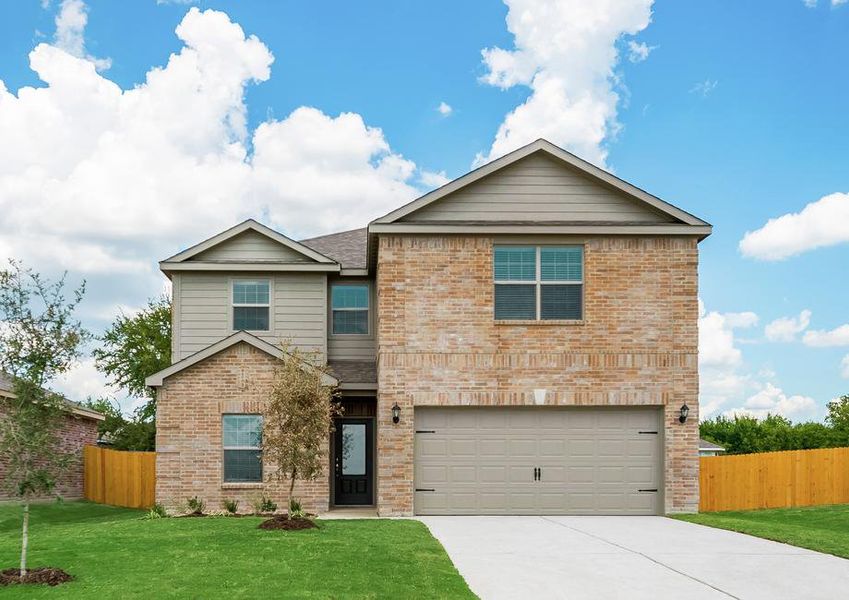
{"x": 522, "y": 340}
{"x": 79, "y": 428}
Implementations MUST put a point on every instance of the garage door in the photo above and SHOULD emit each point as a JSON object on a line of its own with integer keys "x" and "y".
{"x": 538, "y": 461}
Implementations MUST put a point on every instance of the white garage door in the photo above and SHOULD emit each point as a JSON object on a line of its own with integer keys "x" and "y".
{"x": 542, "y": 460}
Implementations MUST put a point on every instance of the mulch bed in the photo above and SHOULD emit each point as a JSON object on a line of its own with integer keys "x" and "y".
{"x": 47, "y": 575}
{"x": 285, "y": 523}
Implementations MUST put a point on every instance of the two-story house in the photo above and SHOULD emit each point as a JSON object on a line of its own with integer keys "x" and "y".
{"x": 522, "y": 340}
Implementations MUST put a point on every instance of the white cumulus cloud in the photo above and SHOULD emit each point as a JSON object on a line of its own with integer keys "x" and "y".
{"x": 565, "y": 52}
{"x": 784, "y": 329}
{"x": 444, "y": 109}
{"x": 839, "y": 336}
{"x": 721, "y": 378}
{"x": 844, "y": 367}
{"x": 70, "y": 27}
{"x": 821, "y": 223}
{"x": 772, "y": 400}
{"x": 105, "y": 181}
{"x": 431, "y": 180}
{"x": 639, "y": 51}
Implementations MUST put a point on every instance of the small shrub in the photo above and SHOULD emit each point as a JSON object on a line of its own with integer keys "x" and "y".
{"x": 231, "y": 506}
{"x": 157, "y": 511}
{"x": 264, "y": 504}
{"x": 195, "y": 505}
{"x": 296, "y": 511}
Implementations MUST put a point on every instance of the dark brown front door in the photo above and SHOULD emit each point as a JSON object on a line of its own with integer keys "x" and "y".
{"x": 353, "y": 461}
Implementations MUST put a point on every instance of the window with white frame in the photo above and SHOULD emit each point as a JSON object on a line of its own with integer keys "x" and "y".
{"x": 534, "y": 283}
{"x": 349, "y": 309}
{"x": 251, "y": 305}
{"x": 242, "y": 442}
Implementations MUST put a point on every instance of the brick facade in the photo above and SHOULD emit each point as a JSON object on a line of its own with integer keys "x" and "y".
{"x": 76, "y": 432}
{"x": 438, "y": 344}
{"x": 189, "y": 454}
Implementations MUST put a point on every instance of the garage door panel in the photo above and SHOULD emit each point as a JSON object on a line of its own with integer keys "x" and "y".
{"x": 610, "y": 448}
{"x": 493, "y": 447}
{"x": 580, "y": 447}
{"x": 521, "y": 448}
{"x": 552, "y": 447}
{"x": 462, "y": 447}
{"x": 432, "y": 447}
{"x": 592, "y": 461}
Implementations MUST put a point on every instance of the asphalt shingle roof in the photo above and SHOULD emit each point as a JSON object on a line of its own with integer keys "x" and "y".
{"x": 348, "y": 248}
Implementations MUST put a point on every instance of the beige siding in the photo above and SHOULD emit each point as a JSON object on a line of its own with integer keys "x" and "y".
{"x": 537, "y": 189}
{"x": 251, "y": 246}
{"x": 353, "y": 347}
{"x": 203, "y": 316}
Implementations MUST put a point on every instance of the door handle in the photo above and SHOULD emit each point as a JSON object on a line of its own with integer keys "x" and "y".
{"x": 539, "y": 473}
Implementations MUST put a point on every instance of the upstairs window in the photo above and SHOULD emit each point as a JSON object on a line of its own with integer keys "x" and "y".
{"x": 251, "y": 305}
{"x": 242, "y": 442}
{"x": 534, "y": 283}
{"x": 349, "y": 309}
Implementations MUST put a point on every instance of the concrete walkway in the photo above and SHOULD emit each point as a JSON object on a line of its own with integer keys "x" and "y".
{"x": 631, "y": 557}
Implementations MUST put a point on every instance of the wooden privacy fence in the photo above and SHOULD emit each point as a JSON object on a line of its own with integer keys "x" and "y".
{"x": 774, "y": 479}
{"x": 119, "y": 478}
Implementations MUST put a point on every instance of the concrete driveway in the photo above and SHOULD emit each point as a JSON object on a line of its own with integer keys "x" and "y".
{"x": 630, "y": 557}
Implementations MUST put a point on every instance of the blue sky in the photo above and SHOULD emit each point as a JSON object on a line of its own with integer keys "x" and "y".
{"x": 735, "y": 111}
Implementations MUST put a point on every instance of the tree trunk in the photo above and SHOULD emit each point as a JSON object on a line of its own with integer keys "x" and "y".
{"x": 25, "y": 540}
{"x": 291, "y": 491}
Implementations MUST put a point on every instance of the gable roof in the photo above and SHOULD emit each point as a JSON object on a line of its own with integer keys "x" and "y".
{"x": 7, "y": 391}
{"x": 157, "y": 379}
{"x": 347, "y": 247}
{"x": 681, "y": 222}
{"x": 315, "y": 260}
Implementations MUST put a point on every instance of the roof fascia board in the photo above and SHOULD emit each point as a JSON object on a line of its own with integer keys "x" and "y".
{"x": 80, "y": 411}
{"x": 702, "y": 231}
{"x": 249, "y": 225}
{"x": 558, "y": 153}
{"x": 167, "y": 267}
{"x": 157, "y": 379}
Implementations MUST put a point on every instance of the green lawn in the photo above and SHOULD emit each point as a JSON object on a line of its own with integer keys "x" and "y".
{"x": 113, "y": 553}
{"x": 821, "y": 528}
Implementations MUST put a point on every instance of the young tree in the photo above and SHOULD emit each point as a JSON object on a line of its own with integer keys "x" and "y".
{"x": 298, "y": 419}
{"x": 135, "y": 347}
{"x": 39, "y": 339}
{"x": 838, "y": 419}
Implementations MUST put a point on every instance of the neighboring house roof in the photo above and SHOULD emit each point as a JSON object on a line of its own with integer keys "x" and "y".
{"x": 355, "y": 374}
{"x": 674, "y": 220}
{"x": 7, "y": 390}
{"x": 706, "y": 445}
{"x": 308, "y": 259}
{"x": 157, "y": 379}
{"x": 348, "y": 248}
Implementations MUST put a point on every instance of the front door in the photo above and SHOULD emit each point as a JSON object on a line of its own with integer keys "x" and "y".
{"x": 353, "y": 461}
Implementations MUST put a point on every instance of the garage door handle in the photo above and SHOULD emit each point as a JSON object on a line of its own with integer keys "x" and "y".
{"x": 425, "y": 490}
{"x": 647, "y": 432}
{"x": 425, "y": 431}
{"x": 650, "y": 490}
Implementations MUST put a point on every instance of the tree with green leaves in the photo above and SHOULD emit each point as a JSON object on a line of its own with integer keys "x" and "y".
{"x": 39, "y": 339}
{"x": 298, "y": 419}
{"x": 134, "y": 433}
{"x": 838, "y": 419}
{"x": 135, "y": 347}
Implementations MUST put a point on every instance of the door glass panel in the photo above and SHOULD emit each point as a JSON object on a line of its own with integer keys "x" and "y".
{"x": 353, "y": 449}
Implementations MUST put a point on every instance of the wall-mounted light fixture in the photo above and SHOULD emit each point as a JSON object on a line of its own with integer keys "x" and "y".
{"x": 396, "y": 413}
{"x": 683, "y": 413}
{"x": 539, "y": 396}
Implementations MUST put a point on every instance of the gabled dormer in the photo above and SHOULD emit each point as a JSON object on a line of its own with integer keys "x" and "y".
{"x": 249, "y": 278}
